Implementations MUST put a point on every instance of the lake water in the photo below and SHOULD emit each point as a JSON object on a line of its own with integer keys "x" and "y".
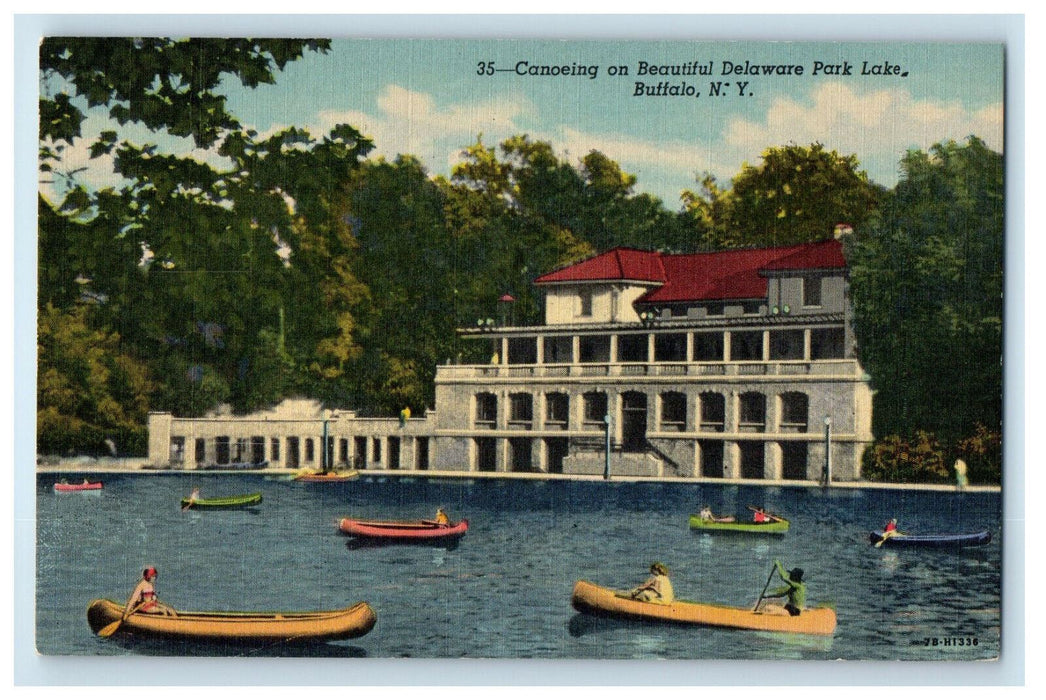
{"x": 504, "y": 590}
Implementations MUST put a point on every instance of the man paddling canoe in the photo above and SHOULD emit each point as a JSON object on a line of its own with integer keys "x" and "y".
{"x": 795, "y": 591}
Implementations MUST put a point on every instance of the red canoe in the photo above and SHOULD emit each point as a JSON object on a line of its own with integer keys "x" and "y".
{"x": 86, "y": 486}
{"x": 412, "y": 530}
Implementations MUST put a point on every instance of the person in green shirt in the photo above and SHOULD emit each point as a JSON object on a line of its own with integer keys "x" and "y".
{"x": 795, "y": 591}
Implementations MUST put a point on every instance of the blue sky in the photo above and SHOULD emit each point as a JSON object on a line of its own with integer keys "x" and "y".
{"x": 424, "y": 97}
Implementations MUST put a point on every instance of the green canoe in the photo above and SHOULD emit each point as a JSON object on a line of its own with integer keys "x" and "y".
{"x": 774, "y": 527}
{"x": 247, "y": 499}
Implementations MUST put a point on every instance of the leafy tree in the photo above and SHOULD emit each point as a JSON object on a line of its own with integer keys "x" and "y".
{"x": 406, "y": 258}
{"x": 927, "y": 294}
{"x": 797, "y": 194}
{"x": 499, "y": 233}
{"x": 230, "y": 271}
{"x": 88, "y": 390}
{"x": 163, "y": 84}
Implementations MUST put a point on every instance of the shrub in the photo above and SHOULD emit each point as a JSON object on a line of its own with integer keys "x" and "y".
{"x": 919, "y": 459}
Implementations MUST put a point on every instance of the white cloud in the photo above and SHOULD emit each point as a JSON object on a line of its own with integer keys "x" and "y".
{"x": 97, "y": 173}
{"x": 879, "y": 127}
{"x": 412, "y": 122}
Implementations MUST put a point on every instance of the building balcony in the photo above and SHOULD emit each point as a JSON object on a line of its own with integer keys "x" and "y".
{"x": 625, "y": 371}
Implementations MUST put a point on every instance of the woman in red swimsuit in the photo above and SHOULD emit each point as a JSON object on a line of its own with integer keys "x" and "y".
{"x": 144, "y": 597}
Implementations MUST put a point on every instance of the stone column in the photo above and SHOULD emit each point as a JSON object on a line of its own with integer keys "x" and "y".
{"x": 731, "y": 459}
{"x": 772, "y": 456}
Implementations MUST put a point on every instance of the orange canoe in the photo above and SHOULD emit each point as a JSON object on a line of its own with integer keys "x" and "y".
{"x": 326, "y": 625}
{"x": 605, "y": 602}
{"x": 330, "y": 476}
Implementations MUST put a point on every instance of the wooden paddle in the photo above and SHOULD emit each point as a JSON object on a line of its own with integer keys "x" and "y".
{"x": 767, "y": 513}
{"x": 885, "y": 536}
{"x": 111, "y": 628}
{"x": 768, "y": 579}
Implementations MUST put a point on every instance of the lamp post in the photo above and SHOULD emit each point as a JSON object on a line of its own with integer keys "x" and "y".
{"x": 826, "y": 476}
{"x": 323, "y": 449}
{"x": 606, "y": 447}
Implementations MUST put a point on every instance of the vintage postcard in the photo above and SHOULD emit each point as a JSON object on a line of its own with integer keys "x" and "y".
{"x": 520, "y": 348}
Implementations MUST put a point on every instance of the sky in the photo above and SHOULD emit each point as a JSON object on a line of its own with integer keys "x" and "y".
{"x": 431, "y": 98}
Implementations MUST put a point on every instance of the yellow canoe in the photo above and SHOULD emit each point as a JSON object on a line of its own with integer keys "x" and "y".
{"x": 597, "y": 600}
{"x": 326, "y": 625}
{"x": 321, "y": 477}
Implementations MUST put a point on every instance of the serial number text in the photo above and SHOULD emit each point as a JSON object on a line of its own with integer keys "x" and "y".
{"x": 950, "y": 641}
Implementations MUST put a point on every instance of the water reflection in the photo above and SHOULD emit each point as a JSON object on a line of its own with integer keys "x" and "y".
{"x": 147, "y": 646}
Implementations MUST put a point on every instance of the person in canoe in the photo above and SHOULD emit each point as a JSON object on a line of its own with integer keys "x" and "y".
{"x": 794, "y": 590}
{"x": 760, "y": 516}
{"x": 657, "y": 588}
{"x": 707, "y": 514}
{"x": 442, "y": 519}
{"x": 193, "y": 498}
{"x": 144, "y": 599}
{"x": 889, "y": 530}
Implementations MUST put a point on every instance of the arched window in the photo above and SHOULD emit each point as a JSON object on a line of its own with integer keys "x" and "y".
{"x": 486, "y": 410}
{"x": 713, "y": 412}
{"x": 595, "y": 409}
{"x": 795, "y": 412}
{"x": 752, "y": 415}
{"x": 557, "y": 411}
{"x": 673, "y": 411}
{"x": 521, "y": 410}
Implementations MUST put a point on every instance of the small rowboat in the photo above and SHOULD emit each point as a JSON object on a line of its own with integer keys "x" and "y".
{"x": 974, "y": 539}
{"x": 348, "y": 623}
{"x": 86, "y": 486}
{"x": 773, "y": 527}
{"x": 403, "y": 530}
{"x": 247, "y": 499}
{"x": 331, "y": 476}
{"x": 596, "y": 600}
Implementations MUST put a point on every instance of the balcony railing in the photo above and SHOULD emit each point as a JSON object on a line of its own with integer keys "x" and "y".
{"x": 847, "y": 368}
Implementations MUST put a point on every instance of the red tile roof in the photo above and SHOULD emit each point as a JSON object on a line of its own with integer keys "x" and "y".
{"x": 729, "y": 274}
{"x": 615, "y": 264}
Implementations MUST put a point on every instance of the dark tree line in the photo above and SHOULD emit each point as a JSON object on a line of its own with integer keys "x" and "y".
{"x": 296, "y": 265}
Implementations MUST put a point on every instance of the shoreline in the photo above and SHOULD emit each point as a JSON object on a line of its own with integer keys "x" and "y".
{"x": 139, "y": 466}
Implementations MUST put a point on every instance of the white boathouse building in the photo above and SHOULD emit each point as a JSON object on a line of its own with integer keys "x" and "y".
{"x": 735, "y": 364}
